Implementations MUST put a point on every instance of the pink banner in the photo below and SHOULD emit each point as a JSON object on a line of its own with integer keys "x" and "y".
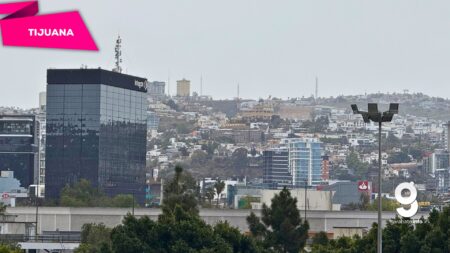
{"x": 65, "y": 30}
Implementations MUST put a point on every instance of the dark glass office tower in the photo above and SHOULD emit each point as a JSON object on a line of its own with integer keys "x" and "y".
{"x": 96, "y": 130}
{"x": 276, "y": 168}
{"x": 18, "y": 147}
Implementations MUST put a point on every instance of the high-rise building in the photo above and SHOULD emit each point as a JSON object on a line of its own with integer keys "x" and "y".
{"x": 96, "y": 130}
{"x": 156, "y": 90}
{"x": 439, "y": 159}
{"x": 442, "y": 180}
{"x": 19, "y": 147}
{"x": 305, "y": 161}
{"x": 295, "y": 162}
{"x": 447, "y": 140}
{"x": 41, "y": 123}
{"x": 276, "y": 168}
{"x": 183, "y": 88}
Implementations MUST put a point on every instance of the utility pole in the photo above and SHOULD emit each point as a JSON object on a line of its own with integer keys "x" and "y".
{"x": 238, "y": 92}
{"x": 168, "y": 83}
{"x": 317, "y": 88}
{"x": 201, "y": 85}
{"x": 37, "y": 211}
{"x": 376, "y": 116}
{"x": 132, "y": 211}
{"x": 380, "y": 199}
{"x": 306, "y": 196}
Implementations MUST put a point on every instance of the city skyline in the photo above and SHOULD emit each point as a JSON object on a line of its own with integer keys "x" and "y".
{"x": 258, "y": 46}
{"x": 224, "y": 126}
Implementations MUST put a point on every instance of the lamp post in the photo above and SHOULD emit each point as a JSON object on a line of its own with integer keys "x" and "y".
{"x": 376, "y": 116}
{"x": 306, "y": 196}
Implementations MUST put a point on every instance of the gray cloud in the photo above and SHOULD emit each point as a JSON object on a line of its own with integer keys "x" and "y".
{"x": 269, "y": 47}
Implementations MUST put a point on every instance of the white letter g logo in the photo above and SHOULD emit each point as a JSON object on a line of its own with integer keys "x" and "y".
{"x": 405, "y": 201}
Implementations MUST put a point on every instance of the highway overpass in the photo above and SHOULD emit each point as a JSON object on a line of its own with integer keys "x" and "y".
{"x": 72, "y": 219}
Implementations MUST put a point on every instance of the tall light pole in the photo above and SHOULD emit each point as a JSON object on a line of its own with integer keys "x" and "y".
{"x": 376, "y": 116}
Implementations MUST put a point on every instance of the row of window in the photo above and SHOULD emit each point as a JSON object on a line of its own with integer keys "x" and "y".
{"x": 89, "y": 90}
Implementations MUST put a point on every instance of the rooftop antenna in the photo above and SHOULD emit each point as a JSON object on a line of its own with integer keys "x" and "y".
{"x": 118, "y": 55}
{"x": 237, "y": 99}
{"x": 201, "y": 85}
{"x": 238, "y": 91}
{"x": 317, "y": 87}
{"x": 168, "y": 83}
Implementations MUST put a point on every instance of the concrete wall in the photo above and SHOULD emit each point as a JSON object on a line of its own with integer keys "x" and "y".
{"x": 72, "y": 219}
{"x": 316, "y": 200}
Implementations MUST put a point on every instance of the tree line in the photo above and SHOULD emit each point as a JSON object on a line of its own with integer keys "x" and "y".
{"x": 279, "y": 228}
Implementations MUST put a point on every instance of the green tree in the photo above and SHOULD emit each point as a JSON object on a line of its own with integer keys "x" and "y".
{"x": 321, "y": 124}
{"x": 275, "y": 121}
{"x": 416, "y": 152}
{"x": 172, "y": 105}
{"x": 219, "y": 186}
{"x": 320, "y": 238}
{"x": 240, "y": 160}
{"x": 364, "y": 201}
{"x": 183, "y": 128}
{"x": 95, "y": 238}
{"x": 391, "y": 142}
{"x": 180, "y": 190}
{"x": 123, "y": 200}
{"x": 356, "y": 165}
{"x": 399, "y": 157}
{"x": 2, "y": 208}
{"x": 210, "y": 147}
{"x": 81, "y": 194}
{"x": 4, "y": 248}
{"x": 199, "y": 158}
{"x": 386, "y": 205}
{"x": 178, "y": 231}
{"x": 430, "y": 235}
{"x": 316, "y": 125}
{"x": 280, "y": 226}
{"x": 209, "y": 194}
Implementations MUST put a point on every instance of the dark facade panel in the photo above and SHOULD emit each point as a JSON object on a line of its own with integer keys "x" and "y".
{"x": 276, "y": 168}
{"x": 18, "y": 146}
{"x": 96, "y": 76}
{"x": 96, "y": 132}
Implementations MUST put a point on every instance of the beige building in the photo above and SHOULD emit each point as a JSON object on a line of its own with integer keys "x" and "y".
{"x": 183, "y": 88}
{"x": 315, "y": 200}
{"x": 260, "y": 111}
{"x": 295, "y": 112}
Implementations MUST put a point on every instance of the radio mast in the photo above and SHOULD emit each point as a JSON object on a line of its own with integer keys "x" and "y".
{"x": 118, "y": 55}
{"x": 201, "y": 85}
{"x": 317, "y": 88}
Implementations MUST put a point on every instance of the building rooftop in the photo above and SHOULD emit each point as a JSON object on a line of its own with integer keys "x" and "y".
{"x": 96, "y": 76}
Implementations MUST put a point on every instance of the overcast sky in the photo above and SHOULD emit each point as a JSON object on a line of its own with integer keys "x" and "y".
{"x": 268, "y": 47}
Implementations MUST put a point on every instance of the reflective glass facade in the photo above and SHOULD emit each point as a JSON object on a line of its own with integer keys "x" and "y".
{"x": 18, "y": 147}
{"x": 276, "y": 168}
{"x": 96, "y": 130}
{"x": 305, "y": 161}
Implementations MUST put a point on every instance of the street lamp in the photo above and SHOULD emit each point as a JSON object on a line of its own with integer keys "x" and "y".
{"x": 376, "y": 116}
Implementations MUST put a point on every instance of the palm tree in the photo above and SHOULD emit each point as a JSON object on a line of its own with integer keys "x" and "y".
{"x": 209, "y": 194}
{"x": 219, "y": 186}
